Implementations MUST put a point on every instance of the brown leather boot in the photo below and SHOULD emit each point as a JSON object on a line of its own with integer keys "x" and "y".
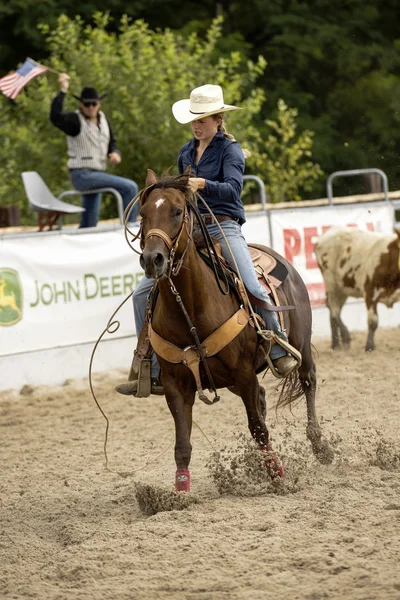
{"x": 285, "y": 365}
{"x": 129, "y": 388}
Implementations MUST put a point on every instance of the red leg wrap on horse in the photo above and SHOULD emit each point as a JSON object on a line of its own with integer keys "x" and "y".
{"x": 182, "y": 480}
{"x": 273, "y": 463}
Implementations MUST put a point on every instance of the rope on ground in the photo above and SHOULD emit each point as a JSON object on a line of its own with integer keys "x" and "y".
{"x": 201, "y": 431}
{"x": 112, "y": 327}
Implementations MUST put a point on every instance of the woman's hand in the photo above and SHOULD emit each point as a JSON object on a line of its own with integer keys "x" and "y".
{"x": 196, "y": 183}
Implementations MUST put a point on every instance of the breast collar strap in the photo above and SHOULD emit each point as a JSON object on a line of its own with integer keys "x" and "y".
{"x": 192, "y": 356}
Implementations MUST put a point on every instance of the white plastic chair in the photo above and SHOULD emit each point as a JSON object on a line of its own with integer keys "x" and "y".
{"x": 50, "y": 209}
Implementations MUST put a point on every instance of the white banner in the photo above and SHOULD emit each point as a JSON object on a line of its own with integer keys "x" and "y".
{"x": 255, "y": 230}
{"x": 295, "y": 233}
{"x": 58, "y": 290}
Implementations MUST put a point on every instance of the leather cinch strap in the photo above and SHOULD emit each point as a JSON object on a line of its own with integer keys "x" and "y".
{"x": 213, "y": 344}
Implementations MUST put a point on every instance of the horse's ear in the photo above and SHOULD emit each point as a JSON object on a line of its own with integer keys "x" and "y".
{"x": 187, "y": 171}
{"x": 151, "y": 178}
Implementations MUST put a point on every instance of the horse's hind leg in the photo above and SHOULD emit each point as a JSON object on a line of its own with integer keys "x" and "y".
{"x": 308, "y": 380}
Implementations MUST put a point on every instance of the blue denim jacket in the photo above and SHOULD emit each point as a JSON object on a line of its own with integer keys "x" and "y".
{"x": 222, "y": 166}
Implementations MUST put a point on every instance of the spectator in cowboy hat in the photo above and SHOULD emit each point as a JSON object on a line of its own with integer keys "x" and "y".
{"x": 90, "y": 142}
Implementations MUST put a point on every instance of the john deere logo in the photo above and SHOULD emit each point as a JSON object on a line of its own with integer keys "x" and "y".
{"x": 10, "y": 297}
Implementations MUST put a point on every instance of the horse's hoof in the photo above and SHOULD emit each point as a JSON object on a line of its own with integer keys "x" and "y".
{"x": 274, "y": 467}
{"x": 182, "y": 480}
{"x": 323, "y": 452}
{"x": 273, "y": 463}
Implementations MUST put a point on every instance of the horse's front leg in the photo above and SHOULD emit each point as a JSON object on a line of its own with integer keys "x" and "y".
{"x": 181, "y": 406}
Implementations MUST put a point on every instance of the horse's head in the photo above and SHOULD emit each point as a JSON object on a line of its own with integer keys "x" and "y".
{"x": 164, "y": 213}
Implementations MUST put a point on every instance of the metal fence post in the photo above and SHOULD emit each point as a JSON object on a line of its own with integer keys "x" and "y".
{"x": 263, "y": 197}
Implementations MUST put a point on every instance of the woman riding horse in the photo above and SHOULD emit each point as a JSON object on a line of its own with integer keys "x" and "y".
{"x": 216, "y": 163}
{"x": 203, "y": 336}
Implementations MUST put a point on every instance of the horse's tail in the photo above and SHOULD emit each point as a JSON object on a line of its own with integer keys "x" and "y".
{"x": 293, "y": 388}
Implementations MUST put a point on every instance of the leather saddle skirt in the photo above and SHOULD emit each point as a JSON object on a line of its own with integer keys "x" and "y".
{"x": 266, "y": 264}
{"x": 269, "y": 270}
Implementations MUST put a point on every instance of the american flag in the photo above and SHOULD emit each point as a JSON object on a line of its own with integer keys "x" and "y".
{"x": 12, "y": 84}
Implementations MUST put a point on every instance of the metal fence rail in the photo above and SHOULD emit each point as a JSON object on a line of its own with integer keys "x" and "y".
{"x": 110, "y": 190}
{"x": 356, "y": 172}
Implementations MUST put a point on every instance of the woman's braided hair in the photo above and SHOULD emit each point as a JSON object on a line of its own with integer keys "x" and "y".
{"x": 221, "y": 127}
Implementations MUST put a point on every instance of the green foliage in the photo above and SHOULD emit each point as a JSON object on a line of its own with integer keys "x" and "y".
{"x": 144, "y": 72}
{"x": 284, "y": 160}
{"x": 337, "y": 62}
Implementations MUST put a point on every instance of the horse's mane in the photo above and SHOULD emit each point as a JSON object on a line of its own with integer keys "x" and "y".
{"x": 177, "y": 182}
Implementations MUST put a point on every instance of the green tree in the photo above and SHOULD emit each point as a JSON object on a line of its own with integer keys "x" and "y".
{"x": 284, "y": 157}
{"x": 337, "y": 62}
{"x": 143, "y": 72}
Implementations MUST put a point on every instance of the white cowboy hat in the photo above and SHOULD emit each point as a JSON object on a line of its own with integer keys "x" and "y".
{"x": 204, "y": 101}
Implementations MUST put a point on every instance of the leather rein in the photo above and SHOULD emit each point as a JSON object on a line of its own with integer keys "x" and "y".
{"x": 191, "y": 356}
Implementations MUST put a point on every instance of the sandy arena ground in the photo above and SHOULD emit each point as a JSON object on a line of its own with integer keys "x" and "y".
{"x": 70, "y": 529}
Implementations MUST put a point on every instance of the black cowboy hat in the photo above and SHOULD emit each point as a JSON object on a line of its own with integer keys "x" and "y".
{"x": 89, "y": 93}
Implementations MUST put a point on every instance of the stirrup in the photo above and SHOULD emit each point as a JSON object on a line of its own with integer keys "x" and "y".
{"x": 144, "y": 379}
{"x": 272, "y": 337}
{"x": 139, "y": 384}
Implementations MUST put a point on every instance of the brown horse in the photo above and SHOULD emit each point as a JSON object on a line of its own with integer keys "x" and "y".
{"x": 170, "y": 256}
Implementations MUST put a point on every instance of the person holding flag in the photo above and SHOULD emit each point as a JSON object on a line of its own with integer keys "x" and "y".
{"x": 91, "y": 142}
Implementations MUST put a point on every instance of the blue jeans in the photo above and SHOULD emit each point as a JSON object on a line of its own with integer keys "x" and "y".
{"x": 238, "y": 244}
{"x": 88, "y": 179}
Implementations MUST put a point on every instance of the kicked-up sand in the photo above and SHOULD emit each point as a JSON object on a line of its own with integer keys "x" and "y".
{"x": 71, "y": 529}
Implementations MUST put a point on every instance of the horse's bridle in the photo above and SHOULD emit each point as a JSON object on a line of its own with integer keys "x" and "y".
{"x": 172, "y": 243}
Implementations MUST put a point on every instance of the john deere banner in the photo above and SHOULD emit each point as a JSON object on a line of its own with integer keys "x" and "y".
{"x": 59, "y": 290}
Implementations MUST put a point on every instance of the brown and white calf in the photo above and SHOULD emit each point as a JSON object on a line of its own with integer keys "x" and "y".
{"x": 360, "y": 264}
